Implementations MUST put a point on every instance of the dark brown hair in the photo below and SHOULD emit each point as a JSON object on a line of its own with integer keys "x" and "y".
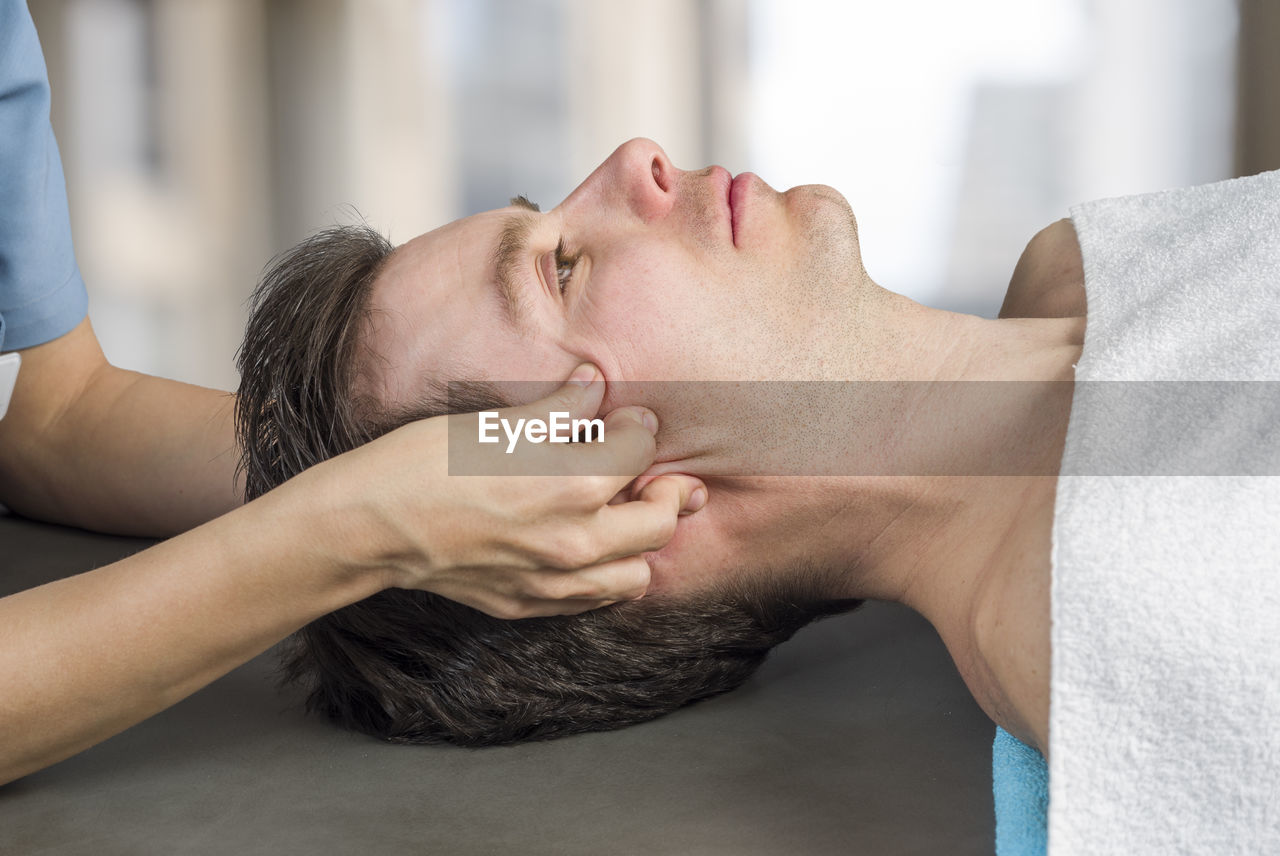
{"x": 409, "y": 666}
{"x": 298, "y": 360}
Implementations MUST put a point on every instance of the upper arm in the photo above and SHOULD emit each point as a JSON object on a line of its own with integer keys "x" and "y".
{"x": 1048, "y": 281}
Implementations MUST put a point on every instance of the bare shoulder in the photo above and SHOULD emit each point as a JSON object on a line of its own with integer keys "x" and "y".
{"x": 1048, "y": 281}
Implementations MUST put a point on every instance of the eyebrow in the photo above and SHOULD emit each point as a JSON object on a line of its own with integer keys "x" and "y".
{"x": 512, "y": 249}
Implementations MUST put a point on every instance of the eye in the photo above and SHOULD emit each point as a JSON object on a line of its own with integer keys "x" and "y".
{"x": 565, "y": 263}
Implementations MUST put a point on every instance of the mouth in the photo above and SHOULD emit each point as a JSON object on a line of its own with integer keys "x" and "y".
{"x": 734, "y": 191}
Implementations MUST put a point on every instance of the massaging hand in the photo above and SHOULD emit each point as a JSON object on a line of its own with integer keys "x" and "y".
{"x": 517, "y": 546}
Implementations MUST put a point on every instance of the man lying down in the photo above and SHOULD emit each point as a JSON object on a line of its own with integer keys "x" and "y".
{"x": 872, "y": 472}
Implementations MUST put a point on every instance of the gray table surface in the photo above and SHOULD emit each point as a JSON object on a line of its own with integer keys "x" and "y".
{"x": 855, "y": 737}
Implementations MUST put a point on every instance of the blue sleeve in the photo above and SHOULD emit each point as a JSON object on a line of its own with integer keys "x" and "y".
{"x": 41, "y": 293}
{"x": 1020, "y": 785}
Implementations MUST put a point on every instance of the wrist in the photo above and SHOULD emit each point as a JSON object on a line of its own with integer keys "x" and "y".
{"x": 334, "y": 530}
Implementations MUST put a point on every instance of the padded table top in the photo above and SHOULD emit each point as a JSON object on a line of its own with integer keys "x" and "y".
{"x": 858, "y": 736}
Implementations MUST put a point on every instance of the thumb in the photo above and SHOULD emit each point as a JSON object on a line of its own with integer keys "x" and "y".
{"x": 580, "y": 395}
{"x": 688, "y": 493}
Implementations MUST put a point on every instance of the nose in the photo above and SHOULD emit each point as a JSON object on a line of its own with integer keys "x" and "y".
{"x": 640, "y": 171}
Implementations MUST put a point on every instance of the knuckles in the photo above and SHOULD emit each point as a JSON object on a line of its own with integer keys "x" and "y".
{"x": 636, "y": 440}
{"x": 582, "y": 492}
{"x": 562, "y": 586}
{"x": 571, "y": 548}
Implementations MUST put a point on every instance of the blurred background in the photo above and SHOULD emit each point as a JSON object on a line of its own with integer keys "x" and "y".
{"x": 201, "y": 137}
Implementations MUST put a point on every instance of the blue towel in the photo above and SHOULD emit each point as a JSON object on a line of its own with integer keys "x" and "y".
{"x": 1020, "y": 784}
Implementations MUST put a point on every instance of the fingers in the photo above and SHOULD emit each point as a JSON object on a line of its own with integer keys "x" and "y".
{"x": 535, "y": 438}
{"x": 625, "y": 451}
{"x": 547, "y": 591}
{"x": 649, "y": 522}
{"x": 599, "y": 469}
{"x": 627, "y": 447}
{"x": 615, "y": 531}
{"x": 617, "y": 579}
{"x": 600, "y": 564}
{"x": 689, "y": 493}
{"x": 565, "y": 546}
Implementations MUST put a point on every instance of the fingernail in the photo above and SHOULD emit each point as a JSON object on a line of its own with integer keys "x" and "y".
{"x": 650, "y": 420}
{"x": 697, "y": 500}
{"x": 642, "y": 415}
{"x": 583, "y": 375}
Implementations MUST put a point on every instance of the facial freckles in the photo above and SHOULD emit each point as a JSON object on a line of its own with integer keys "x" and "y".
{"x": 659, "y": 290}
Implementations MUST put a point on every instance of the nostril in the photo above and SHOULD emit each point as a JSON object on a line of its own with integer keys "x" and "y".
{"x": 657, "y": 174}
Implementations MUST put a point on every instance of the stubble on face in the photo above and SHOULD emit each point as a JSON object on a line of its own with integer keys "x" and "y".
{"x": 814, "y": 284}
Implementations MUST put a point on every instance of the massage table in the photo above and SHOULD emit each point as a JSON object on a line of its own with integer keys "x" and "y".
{"x": 858, "y": 736}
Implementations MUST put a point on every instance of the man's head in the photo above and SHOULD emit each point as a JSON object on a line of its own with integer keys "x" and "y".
{"x": 663, "y": 278}
{"x": 647, "y": 271}
{"x": 652, "y": 274}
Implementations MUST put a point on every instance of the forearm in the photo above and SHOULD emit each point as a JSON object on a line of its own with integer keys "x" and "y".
{"x": 91, "y": 445}
{"x": 145, "y": 456}
{"x": 86, "y": 657}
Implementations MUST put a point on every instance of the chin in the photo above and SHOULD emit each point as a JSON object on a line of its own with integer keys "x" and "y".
{"x": 822, "y": 208}
{"x": 823, "y": 194}
{"x": 828, "y": 225}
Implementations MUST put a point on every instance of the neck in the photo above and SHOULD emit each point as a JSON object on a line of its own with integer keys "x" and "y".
{"x": 936, "y": 481}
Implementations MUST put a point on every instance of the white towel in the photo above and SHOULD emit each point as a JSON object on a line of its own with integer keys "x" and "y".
{"x": 1164, "y": 734}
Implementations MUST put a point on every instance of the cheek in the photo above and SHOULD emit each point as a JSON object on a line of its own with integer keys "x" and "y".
{"x": 614, "y": 329}
{"x": 646, "y": 325}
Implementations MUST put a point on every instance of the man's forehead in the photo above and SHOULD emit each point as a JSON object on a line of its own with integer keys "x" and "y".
{"x": 426, "y": 304}
{"x": 462, "y": 246}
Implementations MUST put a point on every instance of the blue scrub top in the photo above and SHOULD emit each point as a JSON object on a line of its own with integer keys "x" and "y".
{"x": 41, "y": 293}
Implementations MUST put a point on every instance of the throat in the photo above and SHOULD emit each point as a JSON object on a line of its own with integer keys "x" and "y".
{"x": 997, "y": 628}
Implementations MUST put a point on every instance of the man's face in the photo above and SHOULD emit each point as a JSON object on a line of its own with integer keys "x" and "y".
{"x": 661, "y": 275}
{"x": 650, "y": 272}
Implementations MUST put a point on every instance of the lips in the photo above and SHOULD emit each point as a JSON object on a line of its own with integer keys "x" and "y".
{"x": 735, "y": 196}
